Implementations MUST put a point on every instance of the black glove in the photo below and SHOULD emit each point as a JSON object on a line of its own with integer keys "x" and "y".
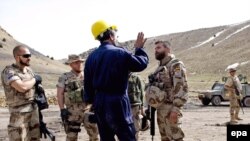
{"x": 65, "y": 114}
{"x": 38, "y": 79}
{"x": 92, "y": 118}
{"x": 151, "y": 78}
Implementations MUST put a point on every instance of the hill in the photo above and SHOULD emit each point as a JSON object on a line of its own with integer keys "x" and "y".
{"x": 206, "y": 52}
{"x": 49, "y": 68}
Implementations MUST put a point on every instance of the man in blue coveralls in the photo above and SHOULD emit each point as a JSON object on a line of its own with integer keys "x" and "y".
{"x": 106, "y": 78}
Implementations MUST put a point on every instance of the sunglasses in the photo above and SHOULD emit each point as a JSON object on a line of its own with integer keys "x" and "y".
{"x": 26, "y": 55}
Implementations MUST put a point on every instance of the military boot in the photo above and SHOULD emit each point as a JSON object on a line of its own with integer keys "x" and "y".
{"x": 233, "y": 120}
{"x": 237, "y": 116}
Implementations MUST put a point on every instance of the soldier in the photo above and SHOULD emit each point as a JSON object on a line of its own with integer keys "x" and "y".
{"x": 167, "y": 92}
{"x": 136, "y": 94}
{"x": 69, "y": 93}
{"x": 18, "y": 81}
{"x": 233, "y": 86}
{"x": 106, "y": 79}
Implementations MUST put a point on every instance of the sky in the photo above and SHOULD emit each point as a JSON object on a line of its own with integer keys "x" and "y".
{"x": 61, "y": 27}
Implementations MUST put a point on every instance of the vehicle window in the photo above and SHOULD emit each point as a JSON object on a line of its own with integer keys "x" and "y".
{"x": 247, "y": 89}
{"x": 218, "y": 87}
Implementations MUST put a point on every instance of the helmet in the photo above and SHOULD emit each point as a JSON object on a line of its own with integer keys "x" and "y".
{"x": 154, "y": 96}
{"x": 232, "y": 67}
{"x": 100, "y": 27}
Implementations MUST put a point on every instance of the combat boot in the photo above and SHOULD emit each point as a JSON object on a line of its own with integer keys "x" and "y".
{"x": 233, "y": 120}
{"x": 237, "y": 117}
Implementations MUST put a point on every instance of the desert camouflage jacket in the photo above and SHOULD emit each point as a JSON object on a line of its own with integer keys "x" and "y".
{"x": 17, "y": 101}
{"x": 73, "y": 87}
{"x": 171, "y": 77}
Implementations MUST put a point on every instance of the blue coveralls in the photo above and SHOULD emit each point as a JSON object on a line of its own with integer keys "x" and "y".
{"x": 105, "y": 83}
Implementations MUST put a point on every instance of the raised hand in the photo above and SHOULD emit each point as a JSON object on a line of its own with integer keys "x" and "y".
{"x": 140, "y": 41}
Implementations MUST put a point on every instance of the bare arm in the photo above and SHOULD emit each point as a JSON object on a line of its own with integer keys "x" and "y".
{"x": 60, "y": 97}
{"x": 23, "y": 86}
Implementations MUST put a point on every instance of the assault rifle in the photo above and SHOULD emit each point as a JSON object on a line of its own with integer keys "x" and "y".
{"x": 42, "y": 104}
{"x": 150, "y": 114}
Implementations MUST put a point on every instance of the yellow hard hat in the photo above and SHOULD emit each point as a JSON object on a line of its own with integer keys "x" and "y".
{"x": 100, "y": 27}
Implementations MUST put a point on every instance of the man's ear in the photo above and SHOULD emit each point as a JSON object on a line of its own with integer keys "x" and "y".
{"x": 167, "y": 51}
{"x": 112, "y": 37}
{"x": 17, "y": 58}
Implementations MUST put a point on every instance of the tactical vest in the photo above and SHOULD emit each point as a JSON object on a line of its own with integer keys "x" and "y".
{"x": 13, "y": 97}
{"x": 73, "y": 89}
{"x": 163, "y": 79}
{"x": 134, "y": 91}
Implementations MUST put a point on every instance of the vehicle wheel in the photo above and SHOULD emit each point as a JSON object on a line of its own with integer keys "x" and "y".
{"x": 216, "y": 100}
{"x": 205, "y": 101}
{"x": 246, "y": 101}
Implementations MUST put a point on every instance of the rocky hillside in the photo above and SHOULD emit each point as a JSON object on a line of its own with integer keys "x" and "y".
{"x": 206, "y": 52}
{"x": 45, "y": 66}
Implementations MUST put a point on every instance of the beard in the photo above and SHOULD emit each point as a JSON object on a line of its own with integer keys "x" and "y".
{"x": 159, "y": 56}
{"x": 77, "y": 70}
{"x": 23, "y": 63}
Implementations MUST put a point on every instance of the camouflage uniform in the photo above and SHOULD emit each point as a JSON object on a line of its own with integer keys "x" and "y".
{"x": 234, "y": 83}
{"x": 24, "y": 118}
{"x": 170, "y": 78}
{"x": 135, "y": 93}
{"x": 74, "y": 104}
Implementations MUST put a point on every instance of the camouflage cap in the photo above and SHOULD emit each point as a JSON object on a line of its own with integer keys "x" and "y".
{"x": 73, "y": 58}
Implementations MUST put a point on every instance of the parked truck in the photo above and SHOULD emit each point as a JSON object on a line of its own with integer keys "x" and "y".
{"x": 217, "y": 94}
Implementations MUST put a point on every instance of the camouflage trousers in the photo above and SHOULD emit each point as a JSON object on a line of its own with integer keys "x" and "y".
{"x": 24, "y": 126}
{"x": 169, "y": 131}
{"x": 136, "y": 118}
{"x": 77, "y": 117}
{"x": 234, "y": 106}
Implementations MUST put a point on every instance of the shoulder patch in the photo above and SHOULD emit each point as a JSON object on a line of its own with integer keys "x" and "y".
{"x": 9, "y": 73}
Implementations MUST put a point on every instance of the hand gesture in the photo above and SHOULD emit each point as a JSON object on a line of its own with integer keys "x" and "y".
{"x": 140, "y": 41}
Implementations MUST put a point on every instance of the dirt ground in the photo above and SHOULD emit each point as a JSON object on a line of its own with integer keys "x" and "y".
{"x": 200, "y": 123}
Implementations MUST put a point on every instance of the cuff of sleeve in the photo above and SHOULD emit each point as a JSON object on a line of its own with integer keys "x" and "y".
{"x": 14, "y": 78}
{"x": 140, "y": 48}
{"x": 60, "y": 85}
{"x": 175, "y": 109}
{"x": 179, "y": 102}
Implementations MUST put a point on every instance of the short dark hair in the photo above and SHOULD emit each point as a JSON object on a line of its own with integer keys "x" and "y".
{"x": 17, "y": 49}
{"x": 105, "y": 35}
{"x": 166, "y": 44}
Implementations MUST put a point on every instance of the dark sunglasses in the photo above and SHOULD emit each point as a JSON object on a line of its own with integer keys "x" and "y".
{"x": 26, "y": 55}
